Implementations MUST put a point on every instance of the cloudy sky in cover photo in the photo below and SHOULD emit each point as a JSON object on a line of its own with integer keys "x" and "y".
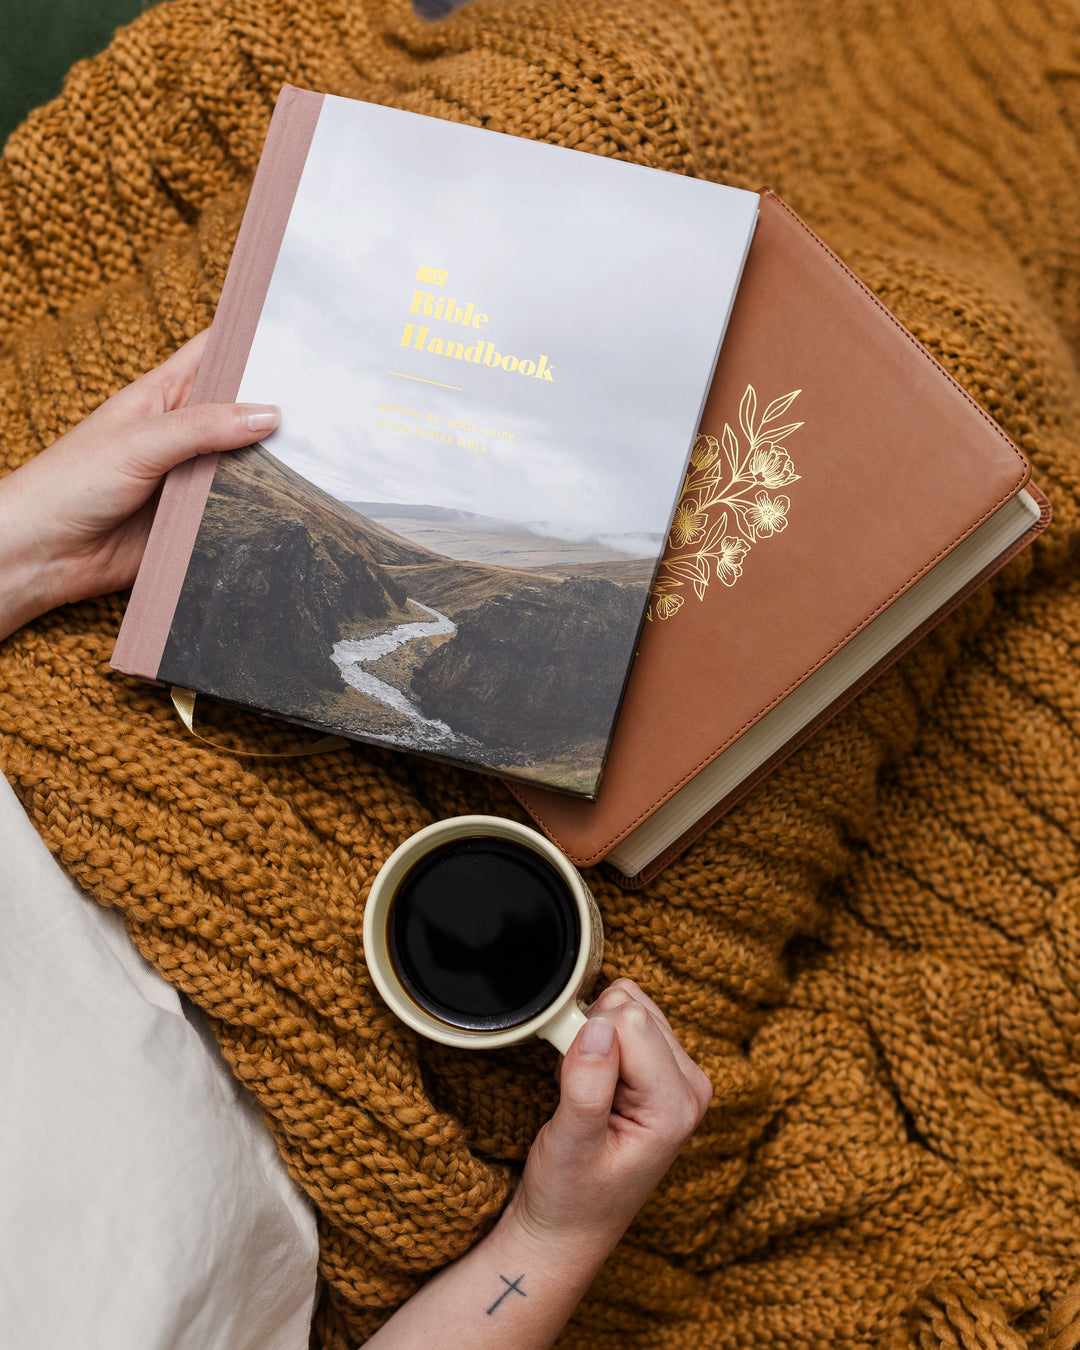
{"x": 620, "y": 276}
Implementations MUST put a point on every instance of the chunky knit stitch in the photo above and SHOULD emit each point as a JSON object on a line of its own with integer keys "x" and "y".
{"x": 877, "y": 955}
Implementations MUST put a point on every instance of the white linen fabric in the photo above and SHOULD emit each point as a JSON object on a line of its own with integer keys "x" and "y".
{"x": 143, "y": 1203}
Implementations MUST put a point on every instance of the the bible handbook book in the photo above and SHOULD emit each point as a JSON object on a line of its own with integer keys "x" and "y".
{"x": 844, "y": 492}
{"x": 491, "y": 356}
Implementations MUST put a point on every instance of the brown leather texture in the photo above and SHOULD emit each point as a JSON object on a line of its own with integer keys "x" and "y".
{"x": 894, "y": 464}
{"x": 661, "y": 860}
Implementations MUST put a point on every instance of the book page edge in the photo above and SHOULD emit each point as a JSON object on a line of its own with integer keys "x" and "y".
{"x": 621, "y": 857}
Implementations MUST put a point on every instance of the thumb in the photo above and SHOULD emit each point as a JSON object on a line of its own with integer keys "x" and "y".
{"x": 162, "y": 442}
{"x": 589, "y": 1077}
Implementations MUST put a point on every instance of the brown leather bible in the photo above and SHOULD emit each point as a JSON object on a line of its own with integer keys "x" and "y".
{"x": 844, "y": 493}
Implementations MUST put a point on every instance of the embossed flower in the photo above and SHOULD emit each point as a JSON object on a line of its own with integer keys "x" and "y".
{"x": 689, "y": 524}
{"x": 772, "y": 467}
{"x": 768, "y": 515}
{"x": 730, "y": 559}
{"x": 667, "y": 605}
{"x": 706, "y": 452}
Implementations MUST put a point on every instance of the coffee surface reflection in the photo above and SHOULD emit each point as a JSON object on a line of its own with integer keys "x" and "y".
{"x": 483, "y": 933}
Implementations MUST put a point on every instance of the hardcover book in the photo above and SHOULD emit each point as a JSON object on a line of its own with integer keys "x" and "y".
{"x": 491, "y": 356}
{"x": 843, "y": 493}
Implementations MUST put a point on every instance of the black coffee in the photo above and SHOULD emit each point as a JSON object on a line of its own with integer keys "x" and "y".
{"x": 483, "y": 933}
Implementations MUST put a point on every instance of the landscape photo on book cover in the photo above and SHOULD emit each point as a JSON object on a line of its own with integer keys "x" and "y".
{"x": 435, "y": 630}
{"x": 488, "y": 399}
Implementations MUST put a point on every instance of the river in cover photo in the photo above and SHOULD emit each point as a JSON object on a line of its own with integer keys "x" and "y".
{"x": 440, "y": 631}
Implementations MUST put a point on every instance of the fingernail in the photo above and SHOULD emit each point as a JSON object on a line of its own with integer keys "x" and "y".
{"x": 261, "y": 416}
{"x": 598, "y": 1037}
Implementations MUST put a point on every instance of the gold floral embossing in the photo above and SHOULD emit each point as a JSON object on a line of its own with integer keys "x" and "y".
{"x": 689, "y": 524}
{"x": 729, "y": 502}
{"x": 768, "y": 515}
{"x": 667, "y": 605}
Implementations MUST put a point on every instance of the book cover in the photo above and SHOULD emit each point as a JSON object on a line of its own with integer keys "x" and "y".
{"x": 491, "y": 356}
{"x": 843, "y": 492}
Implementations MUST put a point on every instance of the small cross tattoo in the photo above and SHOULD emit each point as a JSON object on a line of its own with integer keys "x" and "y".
{"x": 511, "y": 1288}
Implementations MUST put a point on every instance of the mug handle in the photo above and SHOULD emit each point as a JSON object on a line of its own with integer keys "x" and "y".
{"x": 563, "y": 1027}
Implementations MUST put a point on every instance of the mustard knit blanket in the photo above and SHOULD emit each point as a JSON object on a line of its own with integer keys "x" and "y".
{"x": 877, "y": 956}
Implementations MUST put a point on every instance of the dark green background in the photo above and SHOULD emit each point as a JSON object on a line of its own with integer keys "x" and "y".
{"x": 41, "y": 39}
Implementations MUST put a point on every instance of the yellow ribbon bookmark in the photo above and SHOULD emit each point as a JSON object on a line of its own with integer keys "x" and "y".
{"x": 184, "y": 703}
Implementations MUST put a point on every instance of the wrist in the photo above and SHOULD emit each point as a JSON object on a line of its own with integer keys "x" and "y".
{"x": 28, "y": 586}
{"x": 516, "y": 1287}
{"x": 578, "y": 1247}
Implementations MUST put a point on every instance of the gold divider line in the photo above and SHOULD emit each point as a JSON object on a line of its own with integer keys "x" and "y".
{"x": 421, "y": 380}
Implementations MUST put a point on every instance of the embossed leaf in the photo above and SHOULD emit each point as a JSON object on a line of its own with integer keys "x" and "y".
{"x": 717, "y": 530}
{"x": 731, "y": 450}
{"x": 747, "y": 411}
{"x": 712, "y": 476}
{"x": 689, "y": 568}
{"x": 781, "y": 432}
{"x": 699, "y": 567}
{"x": 740, "y": 508}
{"x": 778, "y": 407}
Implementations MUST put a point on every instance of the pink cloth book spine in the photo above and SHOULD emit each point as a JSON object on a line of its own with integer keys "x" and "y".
{"x": 145, "y": 629}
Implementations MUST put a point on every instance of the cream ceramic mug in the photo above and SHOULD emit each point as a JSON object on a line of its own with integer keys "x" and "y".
{"x": 479, "y": 933}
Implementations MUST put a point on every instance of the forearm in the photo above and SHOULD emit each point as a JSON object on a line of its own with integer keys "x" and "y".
{"x": 26, "y": 581}
{"x": 511, "y": 1289}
